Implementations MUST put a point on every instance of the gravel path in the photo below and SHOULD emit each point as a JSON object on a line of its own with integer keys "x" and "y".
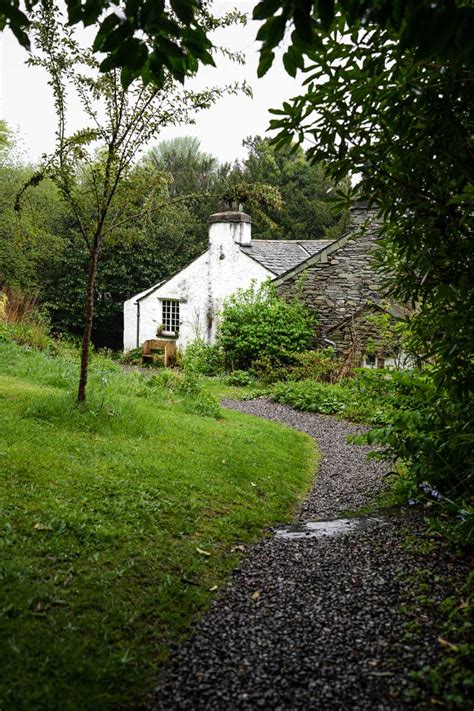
{"x": 346, "y": 480}
{"x": 314, "y": 623}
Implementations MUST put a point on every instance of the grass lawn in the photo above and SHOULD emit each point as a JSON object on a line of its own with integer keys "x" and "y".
{"x": 118, "y": 523}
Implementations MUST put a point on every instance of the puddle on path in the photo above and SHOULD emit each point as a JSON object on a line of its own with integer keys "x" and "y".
{"x": 336, "y": 527}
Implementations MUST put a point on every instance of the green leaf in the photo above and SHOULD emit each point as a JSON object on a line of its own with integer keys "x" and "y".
{"x": 91, "y": 11}
{"x": 265, "y": 9}
{"x": 110, "y": 22}
{"x": 272, "y": 31}
{"x": 74, "y": 11}
{"x": 289, "y": 63}
{"x": 326, "y": 13}
{"x": 184, "y": 10}
{"x": 266, "y": 61}
{"x": 132, "y": 54}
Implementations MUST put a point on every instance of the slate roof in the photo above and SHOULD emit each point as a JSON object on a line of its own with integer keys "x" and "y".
{"x": 280, "y": 255}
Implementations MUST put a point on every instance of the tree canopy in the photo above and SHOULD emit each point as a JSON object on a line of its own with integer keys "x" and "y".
{"x": 151, "y": 39}
{"x": 305, "y": 212}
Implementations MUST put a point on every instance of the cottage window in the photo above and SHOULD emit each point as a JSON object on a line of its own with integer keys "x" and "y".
{"x": 170, "y": 316}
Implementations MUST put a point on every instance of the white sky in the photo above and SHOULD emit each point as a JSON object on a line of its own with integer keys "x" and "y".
{"x": 26, "y": 100}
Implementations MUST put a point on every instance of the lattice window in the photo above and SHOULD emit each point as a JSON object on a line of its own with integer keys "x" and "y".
{"x": 170, "y": 315}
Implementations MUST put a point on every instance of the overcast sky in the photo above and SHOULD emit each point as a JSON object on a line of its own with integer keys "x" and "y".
{"x": 26, "y": 101}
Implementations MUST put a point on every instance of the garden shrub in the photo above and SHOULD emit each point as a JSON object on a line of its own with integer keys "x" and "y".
{"x": 255, "y": 323}
{"x": 240, "y": 378}
{"x": 320, "y": 365}
{"x": 132, "y": 357}
{"x": 431, "y": 433}
{"x": 366, "y": 397}
{"x": 23, "y": 322}
{"x": 311, "y": 396}
{"x": 204, "y": 358}
{"x": 270, "y": 370}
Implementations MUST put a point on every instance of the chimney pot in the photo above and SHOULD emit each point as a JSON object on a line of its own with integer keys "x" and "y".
{"x": 230, "y": 228}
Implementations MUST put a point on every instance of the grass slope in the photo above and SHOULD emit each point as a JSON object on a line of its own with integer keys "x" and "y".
{"x": 105, "y": 514}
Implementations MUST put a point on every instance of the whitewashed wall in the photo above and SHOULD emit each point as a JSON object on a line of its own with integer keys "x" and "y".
{"x": 201, "y": 288}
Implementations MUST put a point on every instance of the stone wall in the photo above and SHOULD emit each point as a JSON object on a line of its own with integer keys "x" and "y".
{"x": 338, "y": 285}
{"x": 353, "y": 335}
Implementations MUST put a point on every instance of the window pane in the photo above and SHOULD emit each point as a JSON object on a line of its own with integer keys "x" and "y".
{"x": 170, "y": 313}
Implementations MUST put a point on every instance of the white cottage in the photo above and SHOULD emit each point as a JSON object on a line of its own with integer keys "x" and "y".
{"x": 187, "y": 304}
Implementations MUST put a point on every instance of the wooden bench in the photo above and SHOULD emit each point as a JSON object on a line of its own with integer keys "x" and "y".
{"x": 160, "y": 350}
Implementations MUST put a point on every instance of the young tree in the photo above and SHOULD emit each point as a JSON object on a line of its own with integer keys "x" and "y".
{"x": 138, "y": 253}
{"x": 89, "y": 165}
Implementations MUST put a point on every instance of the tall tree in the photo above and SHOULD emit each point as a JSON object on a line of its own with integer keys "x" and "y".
{"x": 405, "y": 125}
{"x": 389, "y": 97}
{"x": 26, "y": 244}
{"x": 305, "y": 212}
{"x": 5, "y": 138}
{"x": 191, "y": 172}
{"x": 89, "y": 165}
{"x": 191, "y": 169}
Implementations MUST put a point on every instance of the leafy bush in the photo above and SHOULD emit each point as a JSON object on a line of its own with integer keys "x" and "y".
{"x": 431, "y": 433}
{"x": 34, "y": 335}
{"x": 320, "y": 365}
{"x": 268, "y": 369}
{"x": 255, "y": 323}
{"x": 369, "y": 396}
{"x": 240, "y": 378}
{"x": 24, "y": 323}
{"x": 204, "y": 358}
{"x": 132, "y": 357}
{"x": 311, "y": 396}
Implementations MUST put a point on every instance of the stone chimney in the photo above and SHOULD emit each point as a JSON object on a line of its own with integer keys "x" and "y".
{"x": 229, "y": 228}
{"x": 362, "y": 213}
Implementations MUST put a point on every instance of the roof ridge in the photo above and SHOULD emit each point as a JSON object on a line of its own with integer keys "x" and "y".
{"x": 332, "y": 246}
{"x": 288, "y": 241}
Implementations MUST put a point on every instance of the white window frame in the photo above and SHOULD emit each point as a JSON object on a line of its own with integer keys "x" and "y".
{"x": 170, "y": 315}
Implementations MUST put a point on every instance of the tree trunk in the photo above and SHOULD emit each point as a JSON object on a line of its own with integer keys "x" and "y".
{"x": 89, "y": 314}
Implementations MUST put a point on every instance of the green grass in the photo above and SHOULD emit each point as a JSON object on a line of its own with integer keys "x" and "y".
{"x": 103, "y": 510}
